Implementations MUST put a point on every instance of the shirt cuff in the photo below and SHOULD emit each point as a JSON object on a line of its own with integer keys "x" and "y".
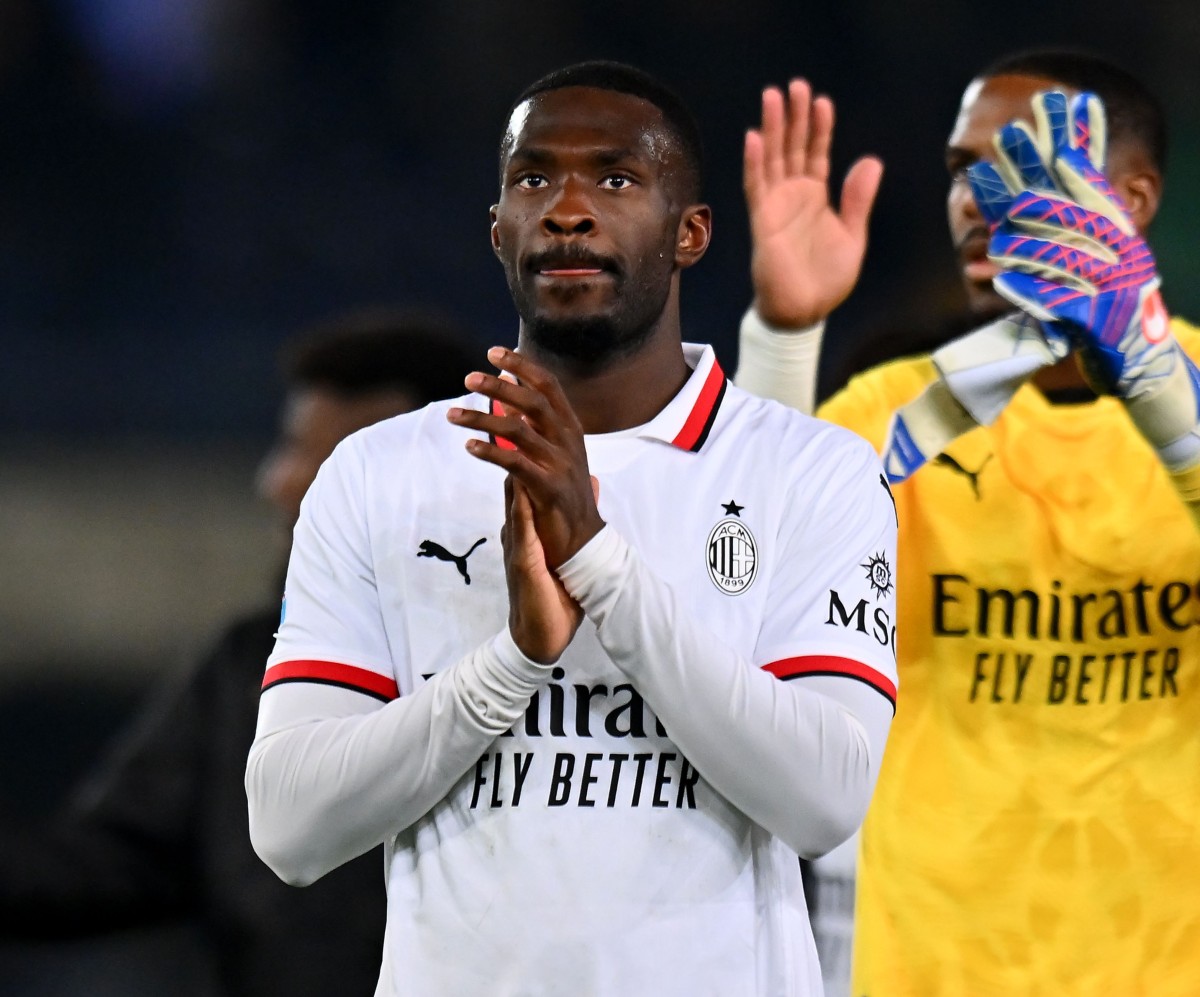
{"x": 779, "y": 363}
{"x": 594, "y": 569}
{"x": 512, "y": 659}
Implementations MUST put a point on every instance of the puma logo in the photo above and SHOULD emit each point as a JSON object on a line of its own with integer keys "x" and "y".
{"x": 972, "y": 476}
{"x": 431, "y": 549}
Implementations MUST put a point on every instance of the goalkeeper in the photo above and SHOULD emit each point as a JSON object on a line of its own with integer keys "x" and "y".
{"x": 1035, "y": 825}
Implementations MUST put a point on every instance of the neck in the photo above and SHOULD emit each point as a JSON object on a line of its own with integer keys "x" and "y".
{"x": 625, "y": 391}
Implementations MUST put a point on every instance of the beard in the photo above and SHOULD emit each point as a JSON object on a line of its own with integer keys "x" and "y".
{"x": 587, "y": 342}
{"x": 591, "y": 341}
{"x": 987, "y": 304}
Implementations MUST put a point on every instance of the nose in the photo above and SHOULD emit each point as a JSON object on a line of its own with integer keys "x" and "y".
{"x": 571, "y": 212}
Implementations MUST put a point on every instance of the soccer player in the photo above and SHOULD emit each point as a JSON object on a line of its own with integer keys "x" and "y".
{"x": 159, "y": 834}
{"x": 1036, "y": 823}
{"x": 599, "y": 648}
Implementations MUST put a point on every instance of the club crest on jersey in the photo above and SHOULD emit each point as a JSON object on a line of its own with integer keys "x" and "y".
{"x": 732, "y": 554}
{"x": 879, "y": 574}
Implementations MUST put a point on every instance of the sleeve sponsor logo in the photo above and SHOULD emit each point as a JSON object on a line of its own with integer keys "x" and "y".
{"x": 875, "y": 623}
{"x": 879, "y": 575}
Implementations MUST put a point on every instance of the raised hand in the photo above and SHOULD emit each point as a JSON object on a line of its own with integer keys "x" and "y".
{"x": 551, "y": 502}
{"x": 806, "y": 255}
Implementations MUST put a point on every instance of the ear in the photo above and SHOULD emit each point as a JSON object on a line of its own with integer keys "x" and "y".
{"x": 495, "y": 228}
{"x": 1136, "y": 179}
{"x": 693, "y": 235}
{"x": 1142, "y": 192}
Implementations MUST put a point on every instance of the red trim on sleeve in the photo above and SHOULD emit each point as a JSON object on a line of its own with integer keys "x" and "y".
{"x": 828, "y": 664}
{"x": 700, "y": 420}
{"x": 332, "y": 673}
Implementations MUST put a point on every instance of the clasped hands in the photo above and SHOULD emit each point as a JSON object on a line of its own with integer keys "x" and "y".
{"x": 549, "y": 495}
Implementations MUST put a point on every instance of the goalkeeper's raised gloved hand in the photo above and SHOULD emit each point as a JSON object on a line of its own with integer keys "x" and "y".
{"x": 1069, "y": 249}
{"x": 1072, "y": 256}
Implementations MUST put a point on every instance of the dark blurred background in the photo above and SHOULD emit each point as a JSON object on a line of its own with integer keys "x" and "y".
{"x": 182, "y": 183}
{"x": 186, "y": 183}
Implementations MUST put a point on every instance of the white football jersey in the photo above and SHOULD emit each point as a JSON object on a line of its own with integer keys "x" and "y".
{"x": 584, "y": 853}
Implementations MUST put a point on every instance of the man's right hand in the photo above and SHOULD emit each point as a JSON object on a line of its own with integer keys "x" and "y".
{"x": 550, "y": 497}
{"x": 806, "y": 255}
{"x": 542, "y": 617}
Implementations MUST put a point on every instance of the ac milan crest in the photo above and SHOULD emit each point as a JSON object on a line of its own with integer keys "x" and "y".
{"x": 732, "y": 556}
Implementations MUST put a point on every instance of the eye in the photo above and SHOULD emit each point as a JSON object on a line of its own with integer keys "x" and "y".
{"x": 958, "y": 165}
{"x": 616, "y": 181}
{"x": 531, "y": 181}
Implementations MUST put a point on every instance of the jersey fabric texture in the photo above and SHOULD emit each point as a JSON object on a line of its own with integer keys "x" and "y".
{"x": 1037, "y": 819}
{"x": 584, "y": 852}
{"x": 159, "y": 835}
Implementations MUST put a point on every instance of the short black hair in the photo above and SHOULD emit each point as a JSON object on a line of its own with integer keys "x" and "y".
{"x": 604, "y": 74}
{"x": 1133, "y": 113}
{"x": 421, "y": 352}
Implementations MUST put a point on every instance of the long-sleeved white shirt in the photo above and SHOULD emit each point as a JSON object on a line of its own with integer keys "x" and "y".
{"x": 628, "y": 819}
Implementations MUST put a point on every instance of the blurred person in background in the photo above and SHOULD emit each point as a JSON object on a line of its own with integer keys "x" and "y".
{"x": 159, "y": 833}
{"x": 1036, "y": 820}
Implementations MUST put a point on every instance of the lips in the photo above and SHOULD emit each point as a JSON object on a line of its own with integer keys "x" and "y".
{"x": 569, "y": 271}
{"x": 972, "y": 251}
{"x": 570, "y": 264}
{"x": 980, "y": 270}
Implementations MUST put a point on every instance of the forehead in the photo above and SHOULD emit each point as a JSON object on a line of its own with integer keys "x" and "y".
{"x": 588, "y": 118}
{"x": 987, "y": 104}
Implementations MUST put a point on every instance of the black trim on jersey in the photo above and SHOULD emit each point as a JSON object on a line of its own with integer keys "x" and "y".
{"x": 888, "y": 488}
{"x": 334, "y": 682}
{"x": 844, "y": 675}
{"x": 712, "y": 416}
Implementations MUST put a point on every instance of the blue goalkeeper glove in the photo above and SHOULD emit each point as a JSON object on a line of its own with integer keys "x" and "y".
{"x": 1072, "y": 256}
{"x": 979, "y": 373}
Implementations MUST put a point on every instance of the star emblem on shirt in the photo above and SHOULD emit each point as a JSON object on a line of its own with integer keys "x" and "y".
{"x": 732, "y": 508}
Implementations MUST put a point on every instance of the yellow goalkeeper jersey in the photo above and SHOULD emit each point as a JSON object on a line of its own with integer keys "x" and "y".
{"x": 1036, "y": 827}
